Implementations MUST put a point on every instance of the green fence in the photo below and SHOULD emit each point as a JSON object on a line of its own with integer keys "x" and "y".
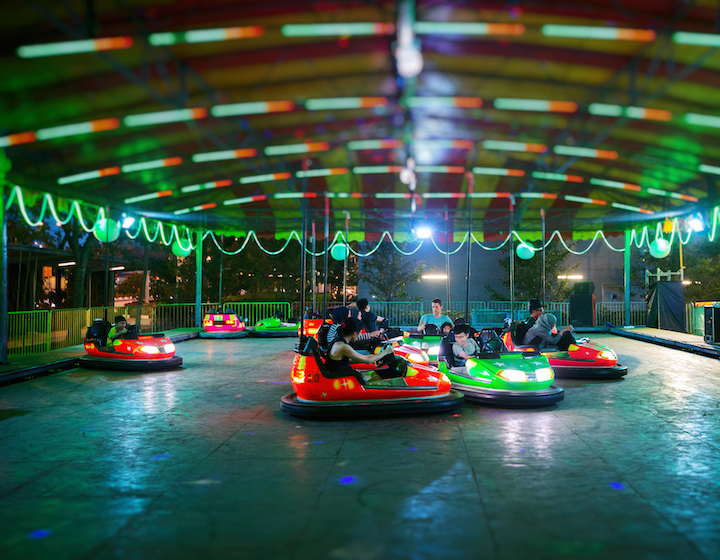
{"x": 614, "y": 312}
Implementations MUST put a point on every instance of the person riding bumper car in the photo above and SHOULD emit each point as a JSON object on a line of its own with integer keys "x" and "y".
{"x": 129, "y": 351}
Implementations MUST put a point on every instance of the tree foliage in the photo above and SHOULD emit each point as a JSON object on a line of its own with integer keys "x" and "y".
{"x": 528, "y": 275}
{"x": 388, "y": 273}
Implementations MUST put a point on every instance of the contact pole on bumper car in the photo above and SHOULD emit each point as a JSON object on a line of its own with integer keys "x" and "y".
{"x": 303, "y": 241}
{"x": 325, "y": 256}
{"x": 512, "y": 258}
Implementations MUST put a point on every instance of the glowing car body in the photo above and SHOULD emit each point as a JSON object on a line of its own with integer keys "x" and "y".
{"x": 584, "y": 360}
{"x": 430, "y": 344}
{"x": 499, "y": 377}
{"x": 223, "y": 325}
{"x": 134, "y": 352}
{"x": 274, "y": 327}
{"x": 320, "y": 393}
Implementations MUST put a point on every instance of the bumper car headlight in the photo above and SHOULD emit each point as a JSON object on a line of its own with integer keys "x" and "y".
{"x": 418, "y": 358}
{"x": 434, "y": 350}
{"x": 149, "y": 349}
{"x": 608, "y": 355}
{"x": 169, "y": 348}
{"x": 544, "y": 374}
{"x": 514, "y": 375}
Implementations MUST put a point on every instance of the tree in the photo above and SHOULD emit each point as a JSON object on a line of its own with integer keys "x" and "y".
{"x": 528, "y": 275}
{"x": 82, "y": 244}
{"x": 131, "y": 286}
{"x": 389, "y": 273}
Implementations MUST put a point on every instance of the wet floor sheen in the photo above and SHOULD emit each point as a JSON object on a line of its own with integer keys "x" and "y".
{"x": 201, "y": 463}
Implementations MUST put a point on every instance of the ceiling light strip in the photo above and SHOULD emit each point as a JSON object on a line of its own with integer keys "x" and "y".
{"x": 345, "y": 103}
{"x": 149, "y": 196}
{"x": 297, "y": 148}
{"x": 74, "y": 47}
{"x": 601, "y": 33}
{"x": 224, "y": 155}
{"x": 337, "y": 29}
{"x": 585, "y": 152}
{"x": 537, "y": 105}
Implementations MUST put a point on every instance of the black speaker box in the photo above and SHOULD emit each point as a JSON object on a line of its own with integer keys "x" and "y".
{"x": 584, "y": 288}
{"x": 582, "y": 310}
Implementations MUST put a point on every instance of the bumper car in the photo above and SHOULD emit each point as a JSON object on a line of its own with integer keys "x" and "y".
{"x": 583, "y": 360}
{"x": 499, "y": 377}
{"x": 134, "y": 352}
{"x": 275, "y": 327}
{"x": 223, "y": 325}
{"x": 318, "y": 393}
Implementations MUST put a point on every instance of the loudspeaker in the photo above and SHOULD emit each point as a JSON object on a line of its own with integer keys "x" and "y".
{"x": 582, "y": 310}
{"x": 712, "y": 325}
{"x": 584, "y": 288}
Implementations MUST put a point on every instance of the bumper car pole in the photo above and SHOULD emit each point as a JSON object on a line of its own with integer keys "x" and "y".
{"x": 512, "y": 258}
{"x": 303, "y": 240}
{"x": 325, "y": 256}
{"x": 198, "y": 279}
{"x": 471, "y": 183}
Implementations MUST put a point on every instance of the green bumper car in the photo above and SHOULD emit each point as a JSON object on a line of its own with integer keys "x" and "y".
{"x": 498, "y": 377}
{"x": 275, "y": 327}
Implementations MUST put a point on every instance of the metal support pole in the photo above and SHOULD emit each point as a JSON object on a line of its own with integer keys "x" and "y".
{"x": 313, "y": 266}
{"x": 347, "y": 254}
{"x": 512, "y": 259}
{"x": 222, "y": 246}
{"x": 107, "y": 273}
{"x": 471, "y": 184}
{"x": 303, "y": 244}
{"x": 325, "y": 256}
{"x": 626, "y": 275}
{"x": 447, "y": 259}
{"x": 3, "y": 276}
{"x": 146, "y": 254}
{"x": 544, "y": 282}
{"x": 198, "y": 278}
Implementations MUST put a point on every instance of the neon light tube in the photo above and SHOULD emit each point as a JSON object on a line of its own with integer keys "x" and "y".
{"x": 297, "y": 148}
{"x": 702, "y": 120}
{"x": 254, "y": 108}
{"x": 393, "y": 195}
{"x": 557, "y": 177}
{"x": 223, "y": 155}
{"x": 467, "y": 28}
{"x": 344, "y": 195}
{"x": 439, "y": 169}
{"x": 431, "y": 102}
{"x": 616, "y": 185}
{"x": 648, "y": 114}
{"x": 161, "y": 117}
{"x": 78, "y": 128}
{"x": 585, "y": 152}
{"x": 205, "y": 35}
{"x": 19, "y": 138}
{"x": 444, "y": 195}
{"x": 709, "y": 169}
{"x": 295, "y": 195}
{"x": 700, "y": 39}
{"x": 371, "y": 169}
{"x": 374, "y": 144}
{"x": 605, "y": 110}
{"x": 197, "y": 208}
{"x": 322, "y": 172}
{"x": 631, "y": 208}
{"x": 345, "y": 103}
{"x": 149, "y": 196}
{"x": 678, "y": 196}
{"x": 498, "y": 171}
{"x": 450, "y": 144}
{"x": 154, "y": 164}
{"x": 335, "y": 29}
{"x": 584, "y": 200}
{"x": 244, "y": 199}
{"x": 490, "y": 195}
{"x": 536, "y": 195}
{"x": 203, "y": 186}
{"x": 73, "y": 47}
{"x": 264, "y": 178}
{"x": 106, "y": 172}
{"x": 513, "y": 146}
{"x": 538, "y": 105}
{"x": 601, "y": 33}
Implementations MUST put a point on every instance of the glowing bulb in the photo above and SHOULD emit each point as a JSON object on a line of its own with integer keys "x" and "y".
{"x": 423, "y": 232}
{"x": 409, "y": 61}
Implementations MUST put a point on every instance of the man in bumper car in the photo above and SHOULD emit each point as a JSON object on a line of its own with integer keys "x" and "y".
{"x": 464, "y": 347}
{"x": 340, "y": 354}
{"x": 435, "y": 318}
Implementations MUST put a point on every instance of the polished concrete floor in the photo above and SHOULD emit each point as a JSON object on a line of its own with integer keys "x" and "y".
{"x": 201, "y": 463}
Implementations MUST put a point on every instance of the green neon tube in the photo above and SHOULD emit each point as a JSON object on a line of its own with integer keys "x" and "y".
{"x": 580, "y": 32}
{"x": 329, "y": 29}
{"x": 509, "y": 104}
{"x": 257, "y": 179}
{"x": 161, "y": 39}
{"x": 214, "y": 156}
{"x": 450, "y": 28}
{"x": 141, "y": 198}
{"x": 289, "y": 195}
{"x": 413, "y": 102}
{"x": 605, "y": 110}
{"x": 334, "y": 103}
{"x": 143, "y": 166}
{"x": 368, "y": 169}
{"x": 580, "y": 199}
{"x": 390, "y": 195}
{"x": 63, "y": 131}
{"x": 161, "y": 117}
{"x": 702, "y": 120}
{"x": 504, "y": 146}
{"x": 285, "y": 150}
{"x": 709, "y": 169}
{"x": 700, "y": 39}
{"x": 605, "y": 183}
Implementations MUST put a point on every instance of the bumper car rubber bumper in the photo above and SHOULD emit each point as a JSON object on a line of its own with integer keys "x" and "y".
{"x": 226, "y": 334}
{"x": 511, "y": 399}
{"x": 348, "y": 409}
{"x": 589, "y": 372}
{"x": 130, "y": 365}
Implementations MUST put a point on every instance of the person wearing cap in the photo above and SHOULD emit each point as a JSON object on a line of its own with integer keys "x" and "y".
{"x": 369, "y": 319}
{"x": 536, "y": 309}
{"x": 118, "y": 329}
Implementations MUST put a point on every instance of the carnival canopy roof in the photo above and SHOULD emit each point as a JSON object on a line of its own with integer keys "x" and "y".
{"x": 230, "y": 116}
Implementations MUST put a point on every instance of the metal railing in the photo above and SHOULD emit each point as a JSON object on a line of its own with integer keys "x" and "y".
{"x": 614, "y": 312}
{"x": 28, "y": 332}
{"x": 255, "y": 311}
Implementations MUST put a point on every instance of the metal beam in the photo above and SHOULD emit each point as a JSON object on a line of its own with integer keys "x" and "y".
{"x": 3, "y": 275}
{"x": 198, "y": 278}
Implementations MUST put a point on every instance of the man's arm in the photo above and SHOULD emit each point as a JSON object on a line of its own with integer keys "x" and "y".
{"x": 460, "y": 353}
